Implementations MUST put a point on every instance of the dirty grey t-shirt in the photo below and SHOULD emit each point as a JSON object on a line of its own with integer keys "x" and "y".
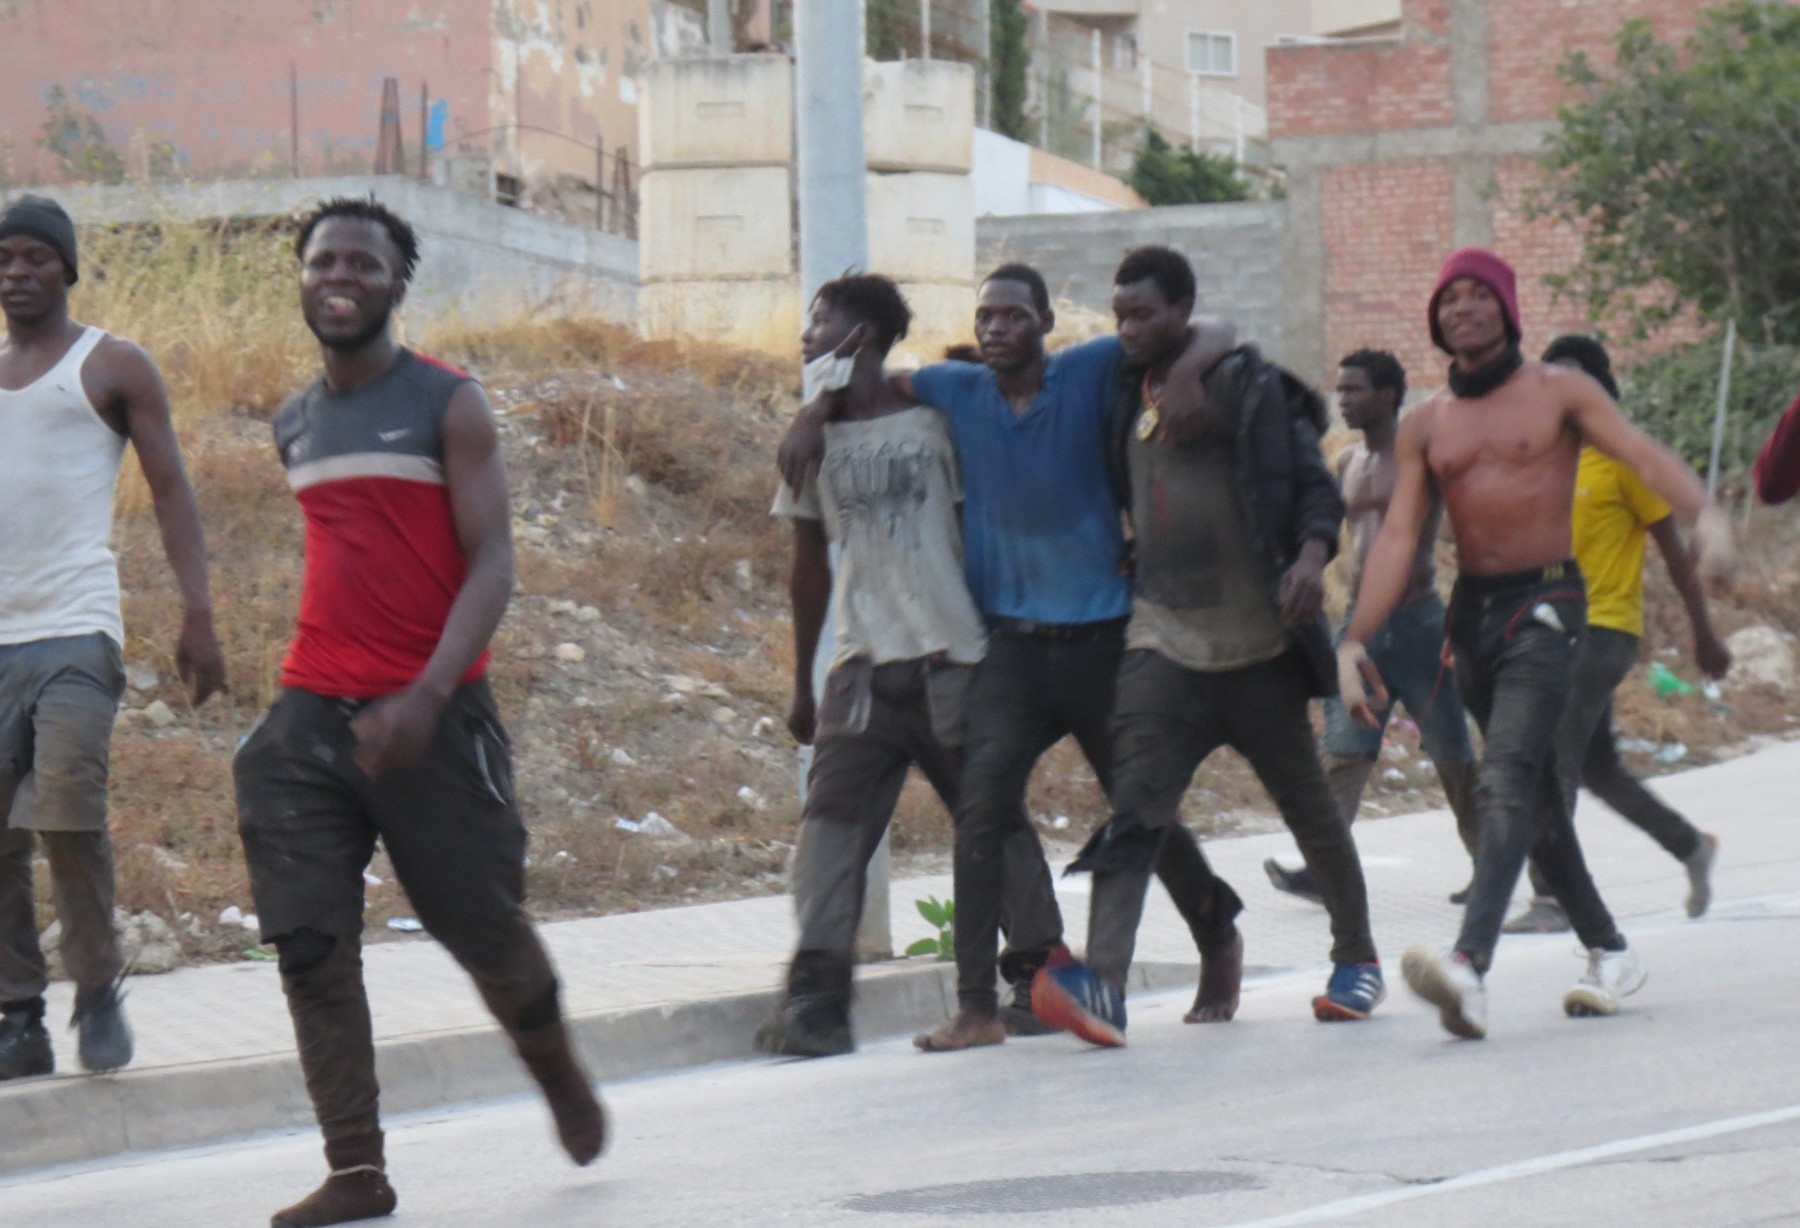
{"x": 888, "y": 493}
{"x": 1200, "y": 598}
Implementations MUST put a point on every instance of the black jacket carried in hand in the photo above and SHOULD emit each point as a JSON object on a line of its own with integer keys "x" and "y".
{"x": 1284, "y": 489}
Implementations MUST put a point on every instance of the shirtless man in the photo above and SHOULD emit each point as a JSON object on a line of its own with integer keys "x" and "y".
{"x": 1409, "y": 649}
{"x": 1502, "y": 445}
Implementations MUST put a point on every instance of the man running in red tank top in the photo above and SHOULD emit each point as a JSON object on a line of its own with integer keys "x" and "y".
{"x": 385, "y": 727}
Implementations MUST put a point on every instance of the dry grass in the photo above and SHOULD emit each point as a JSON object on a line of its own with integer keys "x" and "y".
{"x": 659, "y": 557}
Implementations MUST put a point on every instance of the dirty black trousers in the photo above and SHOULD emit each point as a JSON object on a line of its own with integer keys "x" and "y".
{"x": 1516, "y": 639}
{"x": 1587, "y": 751}
{"x": 851, "y": 793}
{"x": 1036, "y": 687}
{"x": 309, "y": 819}
{"x": 1170, "y": 718}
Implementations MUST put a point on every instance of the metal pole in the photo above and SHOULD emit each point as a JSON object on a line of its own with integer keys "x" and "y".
{"x": 424, "y": 131}
{"x": 1149, "y": 87}
{"x": 599, "y": 183}
{"x": 834, "y": 236}
{"x": 1193, "y": 111}
{"x": 718, "y": 26}
{"x": 984, "y": 75}
{"x": 1238, "y": 117}
{"x": 1718, "y": 439}
{"x": 294, "y": 118}
{"x": 924, "y": 29}
{"x": 1098, "y": 91}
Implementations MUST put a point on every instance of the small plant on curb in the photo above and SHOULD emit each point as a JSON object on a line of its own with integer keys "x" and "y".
{"x": 942, "y": 914}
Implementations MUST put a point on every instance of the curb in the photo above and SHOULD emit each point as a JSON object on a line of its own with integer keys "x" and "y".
{"x": 55, "y": 1121}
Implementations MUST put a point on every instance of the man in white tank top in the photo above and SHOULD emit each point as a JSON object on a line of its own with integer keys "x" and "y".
{"x": 70, "y": 399}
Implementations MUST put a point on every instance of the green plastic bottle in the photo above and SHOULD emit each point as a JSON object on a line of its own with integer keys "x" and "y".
{"x": 1665, "y": 683}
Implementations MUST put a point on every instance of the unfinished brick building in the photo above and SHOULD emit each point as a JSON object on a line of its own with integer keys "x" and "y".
{"x": 1399, "y": 150}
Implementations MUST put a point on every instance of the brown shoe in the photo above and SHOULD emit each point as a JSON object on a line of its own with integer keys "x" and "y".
{"x": 347, "y": 1196}
{"x": 1221, "y": 978}
{"x": 969, "y": 1030}
{"x": 580, "y": 1121}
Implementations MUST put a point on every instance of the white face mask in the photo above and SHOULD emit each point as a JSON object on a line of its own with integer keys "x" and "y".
{"x": 826, "y": 373}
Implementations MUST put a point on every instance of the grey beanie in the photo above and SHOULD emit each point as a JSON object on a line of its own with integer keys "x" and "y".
{"x": 42, "y": 219}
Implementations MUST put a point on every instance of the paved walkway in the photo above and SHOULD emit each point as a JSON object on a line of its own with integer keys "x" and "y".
{"x": 708, "y": 951}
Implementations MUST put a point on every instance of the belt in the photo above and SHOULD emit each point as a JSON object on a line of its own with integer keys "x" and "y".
{"x": 1566, "y": 572}
{"x": 1067, "y": 633}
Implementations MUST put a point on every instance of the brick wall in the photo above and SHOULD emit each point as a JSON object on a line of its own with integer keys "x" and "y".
{"x": 1387, "y": 228}
{"x": 1319, "y": 90}
{"x": 1400, "y": 150}
{"x": 1527, "y": 40}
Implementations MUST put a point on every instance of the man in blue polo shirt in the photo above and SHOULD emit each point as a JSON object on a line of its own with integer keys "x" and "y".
{"x": 1047, "y": 565}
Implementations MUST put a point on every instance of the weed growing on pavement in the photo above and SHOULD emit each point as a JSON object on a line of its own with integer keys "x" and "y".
{"x": 940, "y": 914}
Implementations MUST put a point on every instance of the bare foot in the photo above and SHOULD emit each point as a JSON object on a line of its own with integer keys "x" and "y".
{"x": 968, "y": 1030}
{"x": 1221, "y": 976}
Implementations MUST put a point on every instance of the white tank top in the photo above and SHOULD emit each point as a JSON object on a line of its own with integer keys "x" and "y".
{"x": 59, "y": 462}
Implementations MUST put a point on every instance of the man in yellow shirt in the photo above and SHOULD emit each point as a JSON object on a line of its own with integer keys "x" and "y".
{"x": 1614, "y": 511}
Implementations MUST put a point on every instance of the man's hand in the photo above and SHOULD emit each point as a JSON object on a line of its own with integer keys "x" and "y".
{"x": 1716, "y": 551}
{"x": 1302, "y": 592}
{"x": 1359, "y": 684}
{"x": 803, "y": 447}
{"x": 1710, "y": 652}
{"x": 803, "y": 716}
{"x": 198, "y": 658}
{"x": 1187, "y": 416}
{"x": 395, "y": 730}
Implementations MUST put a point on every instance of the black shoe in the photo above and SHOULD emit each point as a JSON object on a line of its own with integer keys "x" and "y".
{"x": 1293, "y": 882}
{"x": 1459, "y": 898}
{"x": 105, "y": 1036}
{"x": 813, "y": 1019}
{"x": 24, "y": 1044}
{"x": 1016, "y": 1013}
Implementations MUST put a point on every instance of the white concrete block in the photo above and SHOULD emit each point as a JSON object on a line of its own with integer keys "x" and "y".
{"x": 733, "y": 110}
{"x": 919, "y": 115}
{"x": 943, "y": 315}
{"x": 749, "y": 314}
{"x": 716, "y": 223}
{"x": 922, "y": 226}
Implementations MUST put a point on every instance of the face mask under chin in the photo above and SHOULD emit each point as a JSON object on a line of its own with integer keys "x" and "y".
{"x": 827, "y": 373}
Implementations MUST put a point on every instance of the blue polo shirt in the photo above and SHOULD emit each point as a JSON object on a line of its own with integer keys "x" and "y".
{"x": 1042, "y": 538}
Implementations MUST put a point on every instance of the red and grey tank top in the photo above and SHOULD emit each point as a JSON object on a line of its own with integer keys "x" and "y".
{"x": 383, "y": 563}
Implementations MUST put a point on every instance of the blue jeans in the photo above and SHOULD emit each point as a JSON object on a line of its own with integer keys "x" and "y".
{"x": 1408, "y": 651}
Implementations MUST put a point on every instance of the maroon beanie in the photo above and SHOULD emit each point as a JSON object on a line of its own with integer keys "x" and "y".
{"x": 1491, "y": 271}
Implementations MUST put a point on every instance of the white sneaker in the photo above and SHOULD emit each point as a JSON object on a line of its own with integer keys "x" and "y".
{"x": 1610, "y": 976}
{"x": 1449, "y": 982}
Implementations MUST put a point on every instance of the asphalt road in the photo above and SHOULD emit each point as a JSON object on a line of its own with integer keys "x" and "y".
{"x": 1683, "y": 1111}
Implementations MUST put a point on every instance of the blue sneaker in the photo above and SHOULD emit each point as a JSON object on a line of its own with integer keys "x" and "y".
{"x": 1352, "y": 993}
{"x": 1072, "y": 998}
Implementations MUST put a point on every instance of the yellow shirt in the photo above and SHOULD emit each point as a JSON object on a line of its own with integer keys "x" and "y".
{"x": 1613, "y": 508}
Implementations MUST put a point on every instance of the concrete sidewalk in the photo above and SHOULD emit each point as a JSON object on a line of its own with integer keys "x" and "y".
{"x": 660, "y": 990}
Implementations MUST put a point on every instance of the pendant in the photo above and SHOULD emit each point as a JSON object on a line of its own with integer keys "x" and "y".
{"x": 1147, "y": 423}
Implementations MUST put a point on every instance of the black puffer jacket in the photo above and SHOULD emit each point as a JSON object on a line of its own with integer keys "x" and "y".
{"x": 1285, "y": 491}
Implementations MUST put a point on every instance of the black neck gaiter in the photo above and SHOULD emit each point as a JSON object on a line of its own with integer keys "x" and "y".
{"x": 1486, "y": 378}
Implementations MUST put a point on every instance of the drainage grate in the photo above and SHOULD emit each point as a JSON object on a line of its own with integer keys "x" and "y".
{"x": 1065, "y": 1192}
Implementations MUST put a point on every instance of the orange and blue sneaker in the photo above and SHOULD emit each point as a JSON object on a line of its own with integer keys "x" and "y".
{"x": 1070, "y": 997}
{"x": 1352, "y": 993}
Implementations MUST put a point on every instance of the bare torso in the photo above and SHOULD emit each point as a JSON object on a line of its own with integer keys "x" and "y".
{"x": 1367, "y": 479}
{"x": 1505, "y": 464}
